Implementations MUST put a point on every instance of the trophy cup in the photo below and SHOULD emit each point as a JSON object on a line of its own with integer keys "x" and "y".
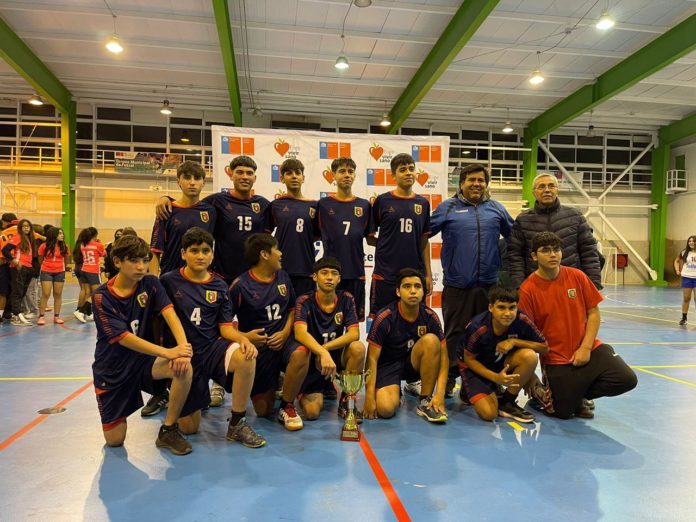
{"x": 351, "y": 383}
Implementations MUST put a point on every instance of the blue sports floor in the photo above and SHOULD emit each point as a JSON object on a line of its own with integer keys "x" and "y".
{"x": 636, "y": 460}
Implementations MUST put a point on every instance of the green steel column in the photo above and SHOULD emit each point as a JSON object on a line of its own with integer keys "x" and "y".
{"x": 68, "y": 132}
{"x": 529, "y": 164}
{"x": 658, "y": 217}
{"x": 224, "y": 28}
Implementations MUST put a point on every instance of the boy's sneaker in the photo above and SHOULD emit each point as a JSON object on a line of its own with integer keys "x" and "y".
{"x": 449, "y": 387}
{"x": 682, "y": 322}
{"x": 413, "y": 388}
{"x": 15, "y": 321}
{"x": 588, "y": 403}
{"x": 217, "y": 395}
{"x": 41, "y": 321}
{"x": 28, "y": 315}
{"x": 24, "y": 319}
{"x": 79, "y": 316}
{"x": 245, "y": 434}
{"x": 172, "y": 439}
{"x": 89, "y": 317}
{"x": 583, "y": 412}
{"x": 430, "y": 414}
{"x": 512, "y": 411}
{"x": 155, "y": 404}
{"x": 289, "y": 418}
{"x": 343, "y": 410}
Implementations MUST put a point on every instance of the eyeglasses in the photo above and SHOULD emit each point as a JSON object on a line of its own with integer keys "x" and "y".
{"x": 549, "y": 250}
{"x": 550, "y": 186}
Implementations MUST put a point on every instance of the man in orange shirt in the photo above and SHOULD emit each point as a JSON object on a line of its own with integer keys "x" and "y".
{"x": 563, "y": 303}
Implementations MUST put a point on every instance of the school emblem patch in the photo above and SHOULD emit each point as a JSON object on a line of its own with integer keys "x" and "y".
{"x": 312, "y": 212}
{"x": 256, "y": 207}
{"x": 358, "y": 211}
{"x": 283, "y": 290}
{"x": 211, "y": 296}
{"x": 142, "y": 299}
{"x": 572, "y": 293}
{"x": 204, "y": 216}
{"x": 418, "y": 209}
{"x": 422, "y": 330}
{"x": 338, "y": 318}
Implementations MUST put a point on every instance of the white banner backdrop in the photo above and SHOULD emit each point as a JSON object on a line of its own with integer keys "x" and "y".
{"x": 371, "y": 152}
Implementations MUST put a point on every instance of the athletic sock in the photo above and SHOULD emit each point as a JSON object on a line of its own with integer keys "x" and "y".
{"x": 88, "y": 308}
{"x": 684, "y": 316}
{"x": 236, "y": 417}
{"x": 507, "y": 397}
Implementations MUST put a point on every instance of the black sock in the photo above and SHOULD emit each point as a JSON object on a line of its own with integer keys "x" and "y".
{"x": 507, "y": 397}
{"x": 236, "y": 417}
{"x": 684, "y": 316}
{"x": 88, "y": 308}
{"x": 283, "y": 403}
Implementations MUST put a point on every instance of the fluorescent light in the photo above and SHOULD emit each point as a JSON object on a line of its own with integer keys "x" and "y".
{"x": 466, "y": 152}
{"x": 386, "y": 122}
{"x": 114, "y": 44}
{"x": 605, "y": 21}
{"x": 342, "y": 63}
{"x": 362, "y": 3}
{"x": 536, "y": 77}
{"x": 35, "y": 100}
{"x": 165, "y": 108}
{"x": 508, "y": 128}
{"x": 185, "y": 137}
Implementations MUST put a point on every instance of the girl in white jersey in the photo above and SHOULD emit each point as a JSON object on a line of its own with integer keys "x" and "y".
{"x": 685, "y": 266}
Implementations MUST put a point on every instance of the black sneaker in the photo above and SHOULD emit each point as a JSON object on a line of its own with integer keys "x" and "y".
{"x": 343, "y": 411}
{"x": 512, "y": 411}
{"x": 430, "y": 414}
{"x": 583, "y": 412}
{"x": 155, "y": 404}
{"x": 682, "y": 322}
{"x": 463, "y": 396}
{"x": 449, "y": 387}
{"x": 588, "y": 403}
{"x": 172, "y": 439}
{"x": 245, "y": 434}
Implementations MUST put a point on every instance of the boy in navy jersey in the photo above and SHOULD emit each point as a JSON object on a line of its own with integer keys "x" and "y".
{"x": 294, "y": 219}
{"x": 239, "y": 215}
{"x": 220, "y": 352}
{"x": 406, "y": 342}
{"x": 263, "y": 301}
{"x": 187, "y": 211}
{"x": 344, "y": 220}
{"x": 126, "y": 359}
{"x": 499, "y": 347}
{"x": 403, "y": 220}
{"x": 326, "y": 323}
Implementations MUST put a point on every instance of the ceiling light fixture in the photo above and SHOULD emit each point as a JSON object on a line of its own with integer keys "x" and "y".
{"x": 466, "y": 152}
{"x": 185, "y": 137}
{"x": 362, "y": 3}
{"x": 507, "y": 129}
{"x": 342, "y": 60}
{"x": 36, "y": 100}
{"x": 386, "y": 121}
{"x": 590, "y": 128}
{"x": 606, "y": 21}
{"x": 114, "y": 43}
{"x": 166, "y": 110}
{"x": 537, "y": 76}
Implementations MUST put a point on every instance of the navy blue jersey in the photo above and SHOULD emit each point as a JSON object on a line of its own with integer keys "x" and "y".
{"x": 202, "y": 307}
{"x": 295, "y": 223}
{"x": 262, "y": 304}
{"x": 396, "y": 335}
{"x": 403, "y": 223}
{"x": 480, "y": 341}
{"x": 167, "y": 233}
{"x": 324, "y": 325}
{"x": 237, "y": 219}
{"x": 116, "y": 317}
{"x": 343, "y": 225}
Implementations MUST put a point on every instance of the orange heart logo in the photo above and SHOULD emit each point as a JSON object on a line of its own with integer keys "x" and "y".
{"x": 281, "y": 147}
{"x": 328, "y": 175}
{"x": 376, "y": 151}
{"x": 422, "y": 177}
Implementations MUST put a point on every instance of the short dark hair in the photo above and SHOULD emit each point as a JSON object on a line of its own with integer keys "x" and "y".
{"x": 543, "y": 239}
{"x": 327, "y": 262}
{"x": 348, "y": 162}
{"x": 130, "y": 247}
{"x": 191, "y": 168}
{"x": 9, "y": 217}
{"x": 128, "y": 231}
{"x": 409, "y": 272}
{"x": 472, "y": 169}
{"x": 196, "y": 236}
{"x": 257, "y": 243}
{"x": 243, "y": 161}
{"x": 506, "y": 294}
{"x": 401, "y": 159}
{"x": 291, "y": 165}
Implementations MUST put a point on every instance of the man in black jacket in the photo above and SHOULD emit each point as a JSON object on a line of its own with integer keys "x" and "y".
{"x": 579, "y": 246}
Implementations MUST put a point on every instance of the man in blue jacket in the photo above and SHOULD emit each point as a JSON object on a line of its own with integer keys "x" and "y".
{"x": 471, "y": 224}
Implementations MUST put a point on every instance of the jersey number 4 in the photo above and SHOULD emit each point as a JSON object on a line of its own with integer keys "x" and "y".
{"x": 196, "y": 316}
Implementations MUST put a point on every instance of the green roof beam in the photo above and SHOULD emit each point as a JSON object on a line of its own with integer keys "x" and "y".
{"x": 458, "y": 32}
{"x": 23, "y": 60}
{"x": 677, "y": 131}
{"x": 224, "y": 28}
{"x": 664, "y": 50}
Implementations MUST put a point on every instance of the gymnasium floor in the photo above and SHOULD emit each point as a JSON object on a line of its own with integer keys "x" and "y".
{"x": 634, "y": 461}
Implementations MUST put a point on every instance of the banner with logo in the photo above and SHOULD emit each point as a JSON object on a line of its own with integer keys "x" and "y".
{"x": 154, "y": 162}
{"x": 371, "y": 152}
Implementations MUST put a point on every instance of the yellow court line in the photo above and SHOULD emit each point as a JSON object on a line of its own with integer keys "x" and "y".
{"x": 667, "y": 377}
{"x": 515, "y": 426}
{"x": 45, "y": 378}
{"x": 638, "y": 366}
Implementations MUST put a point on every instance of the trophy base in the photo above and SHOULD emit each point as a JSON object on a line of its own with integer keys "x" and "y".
{"x": 350, "y": 435}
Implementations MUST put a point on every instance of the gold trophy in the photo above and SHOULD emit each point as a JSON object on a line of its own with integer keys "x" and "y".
{"x": 351, "y": 383}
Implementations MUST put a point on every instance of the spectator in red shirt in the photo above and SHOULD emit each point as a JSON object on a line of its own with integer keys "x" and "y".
{"x": 52, "y": 255}
{"x": 87, "y": 253}
{"x": 18, "y": 252}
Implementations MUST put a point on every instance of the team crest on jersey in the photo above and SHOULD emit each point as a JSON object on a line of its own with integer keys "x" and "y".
{"x": 422, "y": 330}
{"x": 256, "y": 207}
{"x": 211, "y": 296}
{"x": 312, "y": 212}
{"x": 204, "y": 216}
{"x": 572, "y": 293}
{"x": 358, "y": 211}
{"x": 142, "y": 299}
{"x": 418, "y": 209}
{"x": 283, "y": 290}
{"x": 338, "y": 318}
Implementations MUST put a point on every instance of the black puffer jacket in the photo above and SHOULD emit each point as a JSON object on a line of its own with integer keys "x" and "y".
{"x": 579, "y": 246}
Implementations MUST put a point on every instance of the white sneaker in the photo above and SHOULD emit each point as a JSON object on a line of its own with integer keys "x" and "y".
{"x": 16, "y": 321}
{"x": 289, "y": 418}
{"x": 413, "y": 388}
{"x": 29, "y": 315}
{"x": 24, "y": 318}
{"x": 89, "y": 317}
{"x": 79, "y": 316}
